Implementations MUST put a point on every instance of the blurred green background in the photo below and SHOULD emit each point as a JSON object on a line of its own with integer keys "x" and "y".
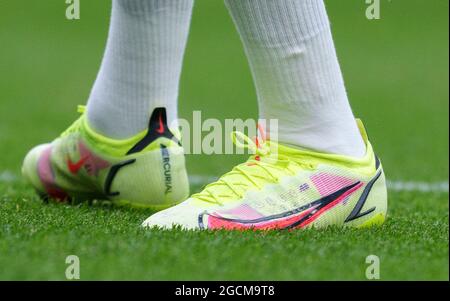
{"x": 396, "y": 72}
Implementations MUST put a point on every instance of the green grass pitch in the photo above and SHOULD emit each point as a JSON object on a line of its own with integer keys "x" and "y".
{"x": 396, "y": 72}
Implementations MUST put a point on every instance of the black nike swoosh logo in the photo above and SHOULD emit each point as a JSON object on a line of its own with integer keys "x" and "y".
{"x": 356, "y": 212}
{"x": 320, "y": 203}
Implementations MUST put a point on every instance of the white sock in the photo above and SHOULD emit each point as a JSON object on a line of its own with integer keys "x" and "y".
{"x": 297, "y": 74}
{"x": 141, "y": 65}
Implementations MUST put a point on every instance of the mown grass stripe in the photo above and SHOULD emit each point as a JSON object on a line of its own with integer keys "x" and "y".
{"x": 7, "y": 176}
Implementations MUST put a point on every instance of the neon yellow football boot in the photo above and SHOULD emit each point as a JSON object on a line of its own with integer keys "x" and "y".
{"x": 147, "y": 170}
{"x": 280, "y": 187}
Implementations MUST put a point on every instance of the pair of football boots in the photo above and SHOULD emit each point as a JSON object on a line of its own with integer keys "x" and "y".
{"x": 278, "y": 187}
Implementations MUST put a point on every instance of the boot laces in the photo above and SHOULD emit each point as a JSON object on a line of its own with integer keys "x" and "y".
{"x": 264, "y": 167}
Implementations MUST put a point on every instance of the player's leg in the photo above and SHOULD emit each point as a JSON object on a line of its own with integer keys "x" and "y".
{"x": 122, "y": 148}
{"x": 297, "y": 74}
{"x": 324, "y": 171}
{"x": 141, "y": 66}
